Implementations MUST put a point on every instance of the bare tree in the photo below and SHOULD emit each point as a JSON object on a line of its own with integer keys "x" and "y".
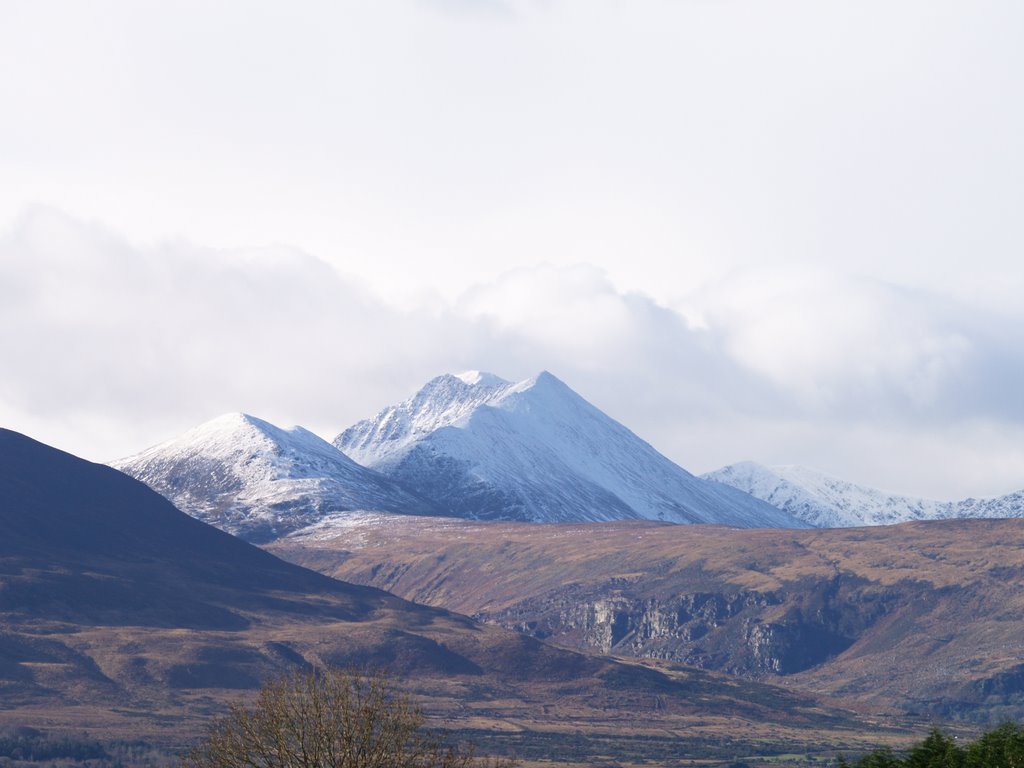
{"x": 327, "y": 719}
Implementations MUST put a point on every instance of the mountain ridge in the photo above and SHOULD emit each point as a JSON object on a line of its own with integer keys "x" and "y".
{"x": 535, "y": 450}
{"x": 825, "y": 501}
{"x": 254, "y": 479}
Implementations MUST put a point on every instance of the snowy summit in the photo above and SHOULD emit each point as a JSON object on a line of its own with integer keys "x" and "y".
{"x": 258, "y": 481}
{"x": 483, "y": 447}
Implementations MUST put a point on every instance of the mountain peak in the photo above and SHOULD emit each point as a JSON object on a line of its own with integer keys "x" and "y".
{"x": 237, "y": 417}
{"x": 544, "y": 379}
{"x": 535, "y": 450}
{"x": 230, "y": 423}
{"x": 256, "y": 480}
{"x": 225, "y": 422}
{"x": 481, "y": 378}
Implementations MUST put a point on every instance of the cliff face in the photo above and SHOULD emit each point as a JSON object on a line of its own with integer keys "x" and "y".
{"x": 746, "y": 632}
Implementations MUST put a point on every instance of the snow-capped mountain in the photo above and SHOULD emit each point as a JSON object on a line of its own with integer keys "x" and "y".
{"x": 1010, "y": 505}
{"x": 255, "y": 480}
{"x": 828, "y": 502}
{"x": 483, "y": 447}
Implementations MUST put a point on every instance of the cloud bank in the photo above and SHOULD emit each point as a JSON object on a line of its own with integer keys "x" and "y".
{"x": 108, "y": 346}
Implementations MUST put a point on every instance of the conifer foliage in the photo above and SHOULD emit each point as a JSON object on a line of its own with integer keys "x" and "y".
{"x": 999, "y": 748}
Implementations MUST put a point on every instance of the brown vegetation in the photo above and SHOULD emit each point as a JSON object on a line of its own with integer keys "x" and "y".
{"x": 926, "y": 617}
{"x": 123, "y": 618}
{"x": 333, "y": 718}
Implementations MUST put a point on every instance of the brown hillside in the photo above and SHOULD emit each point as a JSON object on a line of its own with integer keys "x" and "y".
{"x": 928, "y": 617}
{"x": 121, "y": 616}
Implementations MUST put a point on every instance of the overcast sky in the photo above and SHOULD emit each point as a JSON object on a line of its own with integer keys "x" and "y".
{"x": 781, "y": 231}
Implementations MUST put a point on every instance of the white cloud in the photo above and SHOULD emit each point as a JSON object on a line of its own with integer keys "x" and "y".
{"x": 566, "y": 309}
{"x": 154, "y": 335}
{"x": 108, "y": 346}
{"x": 428, "y": 148}
{"x": 785, "y": 231}
{"x": 834, "y": 340}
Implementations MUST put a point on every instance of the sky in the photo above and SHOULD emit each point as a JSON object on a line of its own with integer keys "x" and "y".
{"x": 787, "y": 232}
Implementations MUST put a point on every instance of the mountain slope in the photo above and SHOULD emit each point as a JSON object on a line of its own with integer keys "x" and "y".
{"x": 483, "y": 447}
{"x": 84, "y": 542}
{"x": 927, "y": 616}
{"x": 112, "y": 598}
{"x": 258, "y": 481}
{"x": 828, "y": 502}
{"x": 123, "y": 617}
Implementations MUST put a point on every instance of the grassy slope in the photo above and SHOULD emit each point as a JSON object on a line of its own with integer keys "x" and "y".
{"x": 923, "y": 616}
{"x": 122, "y": 617}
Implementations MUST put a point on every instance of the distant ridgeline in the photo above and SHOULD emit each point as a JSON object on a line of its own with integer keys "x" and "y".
{"x": 476, "y": 446}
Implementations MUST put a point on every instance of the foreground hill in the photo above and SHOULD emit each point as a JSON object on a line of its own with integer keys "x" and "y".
{"x": 829, "y": 502}
{"x": 485, "y": 448}
{"x": 927, "y": 617}
{"x": 258, "y": 481}
{"x": 122, "y": 616}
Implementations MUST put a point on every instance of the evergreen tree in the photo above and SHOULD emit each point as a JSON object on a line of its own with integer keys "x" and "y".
{"x": 936, "y": 751}
{"x": 1001, "y": 748}
{"x": 880, "y": 758}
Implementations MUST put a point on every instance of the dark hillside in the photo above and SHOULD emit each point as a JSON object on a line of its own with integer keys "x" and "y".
{"x": 122, "y": 617}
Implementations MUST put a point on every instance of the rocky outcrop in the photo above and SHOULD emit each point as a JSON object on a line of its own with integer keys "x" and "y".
{"x": 743, "y": 631}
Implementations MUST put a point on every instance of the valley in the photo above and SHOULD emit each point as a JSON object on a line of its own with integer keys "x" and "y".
{"x": 540, "y": 580}
{"x": 124, "y": 618}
